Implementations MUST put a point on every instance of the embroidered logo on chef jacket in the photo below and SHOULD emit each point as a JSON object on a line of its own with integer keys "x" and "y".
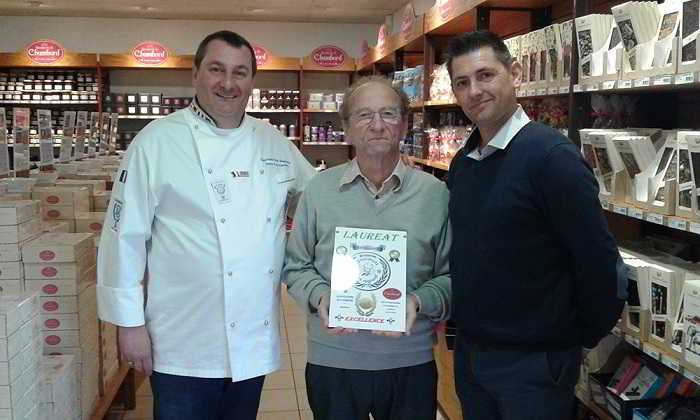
{"x": 223, "y": 192}
{"x": 240, "y": 174}
{"x": 122, "y": 176}
{"x": 280, "y": 163}
{"x": 117, "y": 208}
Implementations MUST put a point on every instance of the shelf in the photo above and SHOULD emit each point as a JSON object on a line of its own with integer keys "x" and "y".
{"x": 418, "y": 105}
{"x": 320, "y": 111}
{"x": 430, "y": 163}
{"x": 325, "y": 143}
{"x": 437, "y": 104}
{"x": 30, "y": 102}
{"x": 273, "y": 111}
{"x": 663, "y": 83}
{"x": 674, "y": 222}
{"x": 551, "y": 92}
{"x": 598, "y": 410}
{"x": 141, "y": 117}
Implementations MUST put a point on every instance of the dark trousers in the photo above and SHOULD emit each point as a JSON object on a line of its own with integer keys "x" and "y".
{"x": 187, "y": 398}
{"x": 408, "y": 393}
{"x": 515, "y": 385}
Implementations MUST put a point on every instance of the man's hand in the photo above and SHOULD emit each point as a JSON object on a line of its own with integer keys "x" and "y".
{"x": 411, "y": 314}
{"x": 323, "y": 306}
{"x": 135, "y": 346}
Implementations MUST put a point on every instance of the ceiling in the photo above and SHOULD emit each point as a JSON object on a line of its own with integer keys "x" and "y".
{"x": 352, "y": 11}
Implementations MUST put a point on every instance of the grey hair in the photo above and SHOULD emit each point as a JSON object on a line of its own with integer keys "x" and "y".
{"x": 350, "y": 91}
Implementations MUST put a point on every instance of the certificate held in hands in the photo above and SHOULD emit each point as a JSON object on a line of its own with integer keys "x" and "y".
{"x": 368, "y": 280}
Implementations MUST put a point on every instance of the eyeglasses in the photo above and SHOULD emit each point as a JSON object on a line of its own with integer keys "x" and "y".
{"x": 365, "y": 116}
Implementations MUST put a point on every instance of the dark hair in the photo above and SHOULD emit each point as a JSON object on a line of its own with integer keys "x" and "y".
{"x": 474, "y": 41}
{"x": 232, "y": 39}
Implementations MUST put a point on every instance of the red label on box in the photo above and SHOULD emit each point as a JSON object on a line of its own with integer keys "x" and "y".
{"x": 50, "y": 306}
{"x": 328, "y": 56}
{"x": 49, "y": 272}
{"x": 150, "y": 53}
{"x": 47, "y": 255}
{"x": 50, "y": 289}
{"x": 261, "y": 55}
{"x": 53, "y": 340}
{"x": 52, "y": 323}
{"x": 52, "y": 199}
{"x": 45, "y": 51}
{"x": 392, "y": 294}
{"x": 53, "y": 213}
{"x": 96, "y": 227}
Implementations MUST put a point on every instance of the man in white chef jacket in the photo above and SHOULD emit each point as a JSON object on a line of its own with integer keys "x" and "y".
{"x": 200, "y": 203}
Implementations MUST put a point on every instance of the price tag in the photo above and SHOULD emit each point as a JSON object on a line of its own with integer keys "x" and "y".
{"x": 542, "y": 91}
{"x": 655, "y": 218}
{"x": 634, "y": 341}
{"x": 624, "y": 84}
{"x": 564, "y": 89}
{"x": 685, "y": 78}
{"x": 695, "y": 227}
{"x": 654, "y": 354}
{"x": 636, "y": 213}
{"x": 553, "y": 91}
{"x": 620, "y": 210}
{"x": 678, "y": 224}
{"x": 616, "y": 331}
{"x": 592, "y": 88}
{"x": 663, "y": 80}
{"x": 643, "y": 82}
{"x": 610, "y": 84}
{"x": 671, "y": 362}
{"x": 578, "y": 88}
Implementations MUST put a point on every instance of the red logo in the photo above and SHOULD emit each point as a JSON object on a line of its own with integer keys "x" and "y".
{"x": 50, "y": 306}
{"x": 96, "y": 227}
{"x": 261, "y": 55}
{"x": 50, "y": 289}
{"x": 47, "y": 255}
{"x": 52, "y": 340}
{"x": 409, "y": 19}
{"x": 381, "y": 38}
{"x": 45, "y": 51}
{"x": 445, "y": 8}
{"x": 49, "y": 272}
{"x": 328, "y": 56}
{"x": 150, "y": 53}
{"x": 52, "y": 323}
{"x": 53, "y": 213}
{"x": 392, "y": 294}
{"x": 52, "y": 199}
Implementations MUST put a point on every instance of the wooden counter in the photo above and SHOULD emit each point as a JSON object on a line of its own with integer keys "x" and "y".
{"x": 447, "y": 397}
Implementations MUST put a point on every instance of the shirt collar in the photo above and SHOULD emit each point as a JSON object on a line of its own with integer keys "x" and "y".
{"x": 353, "y": 172}
{"x": 505, "y": 134}
{"x": 203, "y": 116}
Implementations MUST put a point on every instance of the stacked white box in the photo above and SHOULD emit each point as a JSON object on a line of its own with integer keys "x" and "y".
{"x": 19, "y": 223}
{"x": 62, "y": 202}
{"x": 58, "y": 388}
{"x": 20, "y": 355}
{"x": 61, "y": 267}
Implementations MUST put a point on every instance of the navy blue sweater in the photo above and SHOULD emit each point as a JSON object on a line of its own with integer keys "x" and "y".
{"x": 533, "y": 264}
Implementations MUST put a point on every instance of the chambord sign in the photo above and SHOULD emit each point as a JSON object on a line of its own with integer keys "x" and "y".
{"x": 45, "y": 51}
{"x": 368, "y": 279}
{"x": 150, "y": 53}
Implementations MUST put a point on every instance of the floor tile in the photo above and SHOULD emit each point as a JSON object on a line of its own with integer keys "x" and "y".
{"x": 282, "y": 379}
{"x": 298, "y": 361}
{"x": 278, "y": 400}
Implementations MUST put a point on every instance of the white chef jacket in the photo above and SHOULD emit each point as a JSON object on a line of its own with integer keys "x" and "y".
{"x": 206, "y": 215}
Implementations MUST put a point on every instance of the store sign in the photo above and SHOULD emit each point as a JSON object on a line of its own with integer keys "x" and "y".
{"x": 45, "y": 51}
{"x": 150, "y": 53}
{"x": 381, "y": 37}
{"x": 409, "y": 18}
{"x": 261, "y": 55}
{"x": 328, "y": 56}
{"x": 445, "y": 8}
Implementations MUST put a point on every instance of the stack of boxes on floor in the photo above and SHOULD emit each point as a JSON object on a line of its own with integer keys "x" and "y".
{"x": 20, "y": 356}
{"x": 59, "y": 389}
{"x": 61, "y": 267}
{"x": 19, "y": 223}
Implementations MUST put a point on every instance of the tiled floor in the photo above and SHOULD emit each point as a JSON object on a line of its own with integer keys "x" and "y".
{"x": 284, "y": 392}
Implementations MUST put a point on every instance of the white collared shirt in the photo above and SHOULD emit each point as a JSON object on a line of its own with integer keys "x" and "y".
{"x": 505, "y": 134}
{"x": 205, "y": 213}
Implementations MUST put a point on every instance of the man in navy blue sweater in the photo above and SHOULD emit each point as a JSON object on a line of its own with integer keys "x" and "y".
{"x": 534, "y": 266}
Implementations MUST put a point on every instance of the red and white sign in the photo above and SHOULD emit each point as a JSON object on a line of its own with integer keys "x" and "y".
{"x": 445, "y": 8}
{"x": 328, "y": 56}
{"x": 150, "y": 53}
{"x": 381, "y": 37}
{"x": 409, "y": 18}
{"x": 261, "y": 55}
{"x": 45, "y": 51}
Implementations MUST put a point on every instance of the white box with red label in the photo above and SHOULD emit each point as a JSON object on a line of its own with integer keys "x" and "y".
{"x": 91, "y": 222}
{"x": 12, "y": 369}
{"x": 11, "y": 270}
{"x": 16, "y": 311}
{"x": 13, "y": 234}
{"x": 57, "y": 247}
{"x": 70, "y": 270}
{"x": 61, "y": 287}
{"x": 77, "y": 197}
{"x": 18, "y": 212}
{"x": 11, "y": 287}
{"x": 10, "y": 395}
{"x": 58, "y": 226}
{"x": 10, "y": 346}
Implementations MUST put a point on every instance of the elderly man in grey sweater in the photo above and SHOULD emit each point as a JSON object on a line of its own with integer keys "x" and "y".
{"x": 350, "y": 373}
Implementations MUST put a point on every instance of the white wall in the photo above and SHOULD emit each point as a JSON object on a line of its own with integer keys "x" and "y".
{"x": 182, "y": 37}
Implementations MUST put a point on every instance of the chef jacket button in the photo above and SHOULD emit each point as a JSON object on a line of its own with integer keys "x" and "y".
{"x": 222, "y": 220}
{"x": 210, "y": 170}
{"x": 230, "y": 273}
{"x": 267, "y": 323}
{"x": 270, "y": 271}
{"x": 269, "y": 219}
{"x": 233, "y": 325}
{"x": 196, "y": 126}
{"x": 262, "y": 171}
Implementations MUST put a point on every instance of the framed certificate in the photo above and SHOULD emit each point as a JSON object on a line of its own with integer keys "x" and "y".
{"x": 368, "y": 280}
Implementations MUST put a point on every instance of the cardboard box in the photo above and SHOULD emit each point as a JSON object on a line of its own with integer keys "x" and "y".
{"x": 77, "y": 197}
{"x": 19, "y": 185}
{"x": 16, "y": 196}
{"x": 72, "y": 270}
{"x": 10, "y": 395}
{"x": 58, "y": 381}
{"x": 93, "y": 185}
{"x": 25, "y": 407}
{"x": 13, "y": 234}
{"x": 17, "y": 212}
{"x": 101, "y": 200}
{"x": 58, "y": 213}
{"x": 13, "y": 252}
{"x": 62, "y": 322}
{"x": 57, "y": 226}
{"x": 90, "y": 222}
{"x": 61, "y": 287}
{"x": 16, "y": 311}
{"x": 44, "y": 179}
{"x": 11, "y": 287}
{"x": 11, "y": 270}
{"x": 12, "y": 369}
{"x": 10, "y": 346}
{"x": 57, "y": 247}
